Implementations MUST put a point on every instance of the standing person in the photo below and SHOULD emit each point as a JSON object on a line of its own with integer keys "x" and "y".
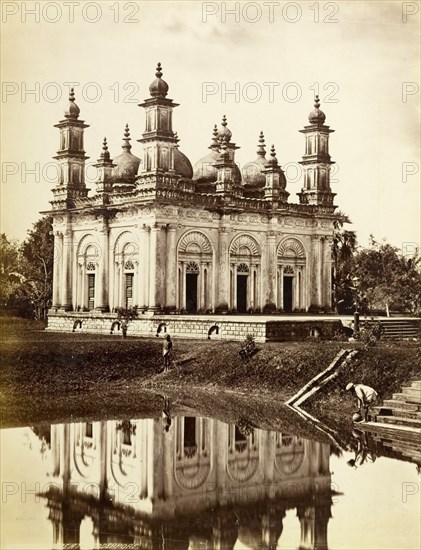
{"x": 167, "y": 352}
{"x": 366, "y": 396}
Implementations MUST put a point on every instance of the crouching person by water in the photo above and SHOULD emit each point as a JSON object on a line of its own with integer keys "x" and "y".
{"x": 167, "y": 352}
{"x": 366, "y": 396}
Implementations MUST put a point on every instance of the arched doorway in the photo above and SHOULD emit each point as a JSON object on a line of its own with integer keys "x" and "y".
{"x": 291, "y": 259}
{"x": 195, "y": 264}
{"x": 245, "y": 261}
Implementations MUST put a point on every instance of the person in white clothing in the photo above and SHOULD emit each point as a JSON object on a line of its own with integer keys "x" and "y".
{"x": 366, "y": 396}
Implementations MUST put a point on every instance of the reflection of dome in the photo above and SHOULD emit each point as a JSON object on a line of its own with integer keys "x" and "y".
{"x": 317, "y": 116}
{"x": 72, "y": 110}
{"x": 252, "y": 175}
{"x": 127, "y": 165}
{"x": 158, "y": 88}
{"x": 182, "y": 165}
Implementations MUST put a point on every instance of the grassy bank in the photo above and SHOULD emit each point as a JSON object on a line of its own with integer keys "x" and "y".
{"x": 53, "y": 376}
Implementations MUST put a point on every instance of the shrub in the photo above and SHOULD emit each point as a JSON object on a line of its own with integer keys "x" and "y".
{"x": 270, "y": 308}
{"x": 222, "y": 308}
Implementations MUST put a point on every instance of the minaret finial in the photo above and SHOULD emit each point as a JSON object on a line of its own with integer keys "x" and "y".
{"x": 261, "y": 151}
{"x": 176, "y": 140}
{"x": 224, "y": 120}
{"x": 317, "y": 102}
{"x": 126, "y": 139}
{"x": 105, "y": 155}
{"x": 72, "y": 110}
{"x": 273, "y": 160}
{"x": 158, "y": 73}
{"x": 215, "y": 143}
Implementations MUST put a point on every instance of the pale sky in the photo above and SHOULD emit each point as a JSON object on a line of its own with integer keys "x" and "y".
{"x": 363, "y": 57}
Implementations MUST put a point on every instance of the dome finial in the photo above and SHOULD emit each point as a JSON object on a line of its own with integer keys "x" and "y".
{"x": 316, "y": 116}
{"x": 261, "y": 151}
{"x": 158, "y": 88}
{"x": 105, "y": 155}
{"x": 273, "y": 161}
{"x": 126, "y": 139}
{"x": 72, "y": 110}
{"x": 224, "y": 131}
{"x": 215, "y": 144}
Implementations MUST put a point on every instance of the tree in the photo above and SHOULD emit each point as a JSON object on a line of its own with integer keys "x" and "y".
{"x": 343, "y": 250}
{"x": 10, "y": 276}
{"x": 37, "y": 256}
{"x": 387, "y": 279}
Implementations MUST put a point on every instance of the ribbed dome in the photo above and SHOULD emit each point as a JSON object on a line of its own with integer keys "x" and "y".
{"x": 127, "y": 164}
{"x": 158, "y": 88}
{"x": 316, "y": 116}
{"x": 252, "y": 175}
{"x": 182, "y": 165}
{"x": 72, "y": 110}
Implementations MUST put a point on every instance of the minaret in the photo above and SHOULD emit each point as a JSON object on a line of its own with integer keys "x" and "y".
{"x": 104, "y": 167}
{"x": 158, "y": 139}
{"x": 275, "y": 180}
{"x": 71, "y": 155}
{"x": 316, "y": 160}
{"x": 225, "y": 166}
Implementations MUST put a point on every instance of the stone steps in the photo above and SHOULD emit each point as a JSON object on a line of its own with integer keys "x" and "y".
{"x": 395, "y": 411}
{"x": 406, "y": 396}
{"x": 398, "y": 435}
{"x": 400, "y": 404}
{"x": 400, "y": 420}
{"x": 397, "y": 328}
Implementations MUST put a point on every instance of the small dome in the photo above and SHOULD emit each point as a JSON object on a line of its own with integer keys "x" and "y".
{"x": 204, "y": 170}
{"x": 317, "y": 116}
{"x": 72, "y": 110}
{"x": 224, "y": 131}
{"x": 182, "y": 165}
{"x": 252, "y": 171}
{"x": 127, "y": 165}
{"x": 158, "y": 88}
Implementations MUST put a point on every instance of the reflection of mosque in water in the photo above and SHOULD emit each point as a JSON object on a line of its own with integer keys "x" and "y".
{"x": 202, "y": 484}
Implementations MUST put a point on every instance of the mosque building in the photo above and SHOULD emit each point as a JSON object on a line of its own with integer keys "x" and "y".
{"x": 168, "y": 237}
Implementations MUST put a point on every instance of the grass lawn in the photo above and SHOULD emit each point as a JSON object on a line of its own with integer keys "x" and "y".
{"x": 54, "y": 377}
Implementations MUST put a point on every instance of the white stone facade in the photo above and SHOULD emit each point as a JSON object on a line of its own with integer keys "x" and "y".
{"x": 161, "y": 237}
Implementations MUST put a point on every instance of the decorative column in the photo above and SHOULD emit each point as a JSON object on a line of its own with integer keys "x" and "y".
{"x": 271, "y": 267}
{"x": 102, "y": 300}
{"x": 223, "y": 262}
{"x": 66, "y": 280}
{"x": 327, "y": 273}
{"x": 320, "y": 272}
{"x": 183, "y": 285}
{"x": 153, "y": 240}
{"x": 281, "y": 287}
{"x": 58, "y": 253}
{"x": 143, "y": 293}
{"x": 171, "y": 268}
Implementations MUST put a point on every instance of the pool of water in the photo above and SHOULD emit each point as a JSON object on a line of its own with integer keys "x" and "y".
{"x": 190, "y": 482}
